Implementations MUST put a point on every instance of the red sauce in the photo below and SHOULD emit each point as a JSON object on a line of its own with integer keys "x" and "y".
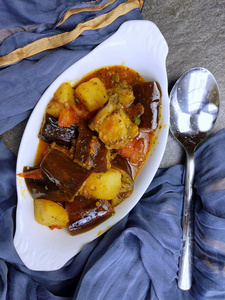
{"x": 110, "y": 75}
{"x": 60, "y": 173}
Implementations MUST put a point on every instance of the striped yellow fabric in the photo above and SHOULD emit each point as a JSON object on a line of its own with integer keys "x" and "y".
{"x": 67, "y": 37}
{"x": 72, "y": 11}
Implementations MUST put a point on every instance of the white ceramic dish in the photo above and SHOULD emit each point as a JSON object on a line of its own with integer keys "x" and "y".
{"x": 140, "y": 46}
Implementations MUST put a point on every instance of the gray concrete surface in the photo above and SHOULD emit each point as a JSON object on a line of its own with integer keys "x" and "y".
{"x": 195, "y": 33}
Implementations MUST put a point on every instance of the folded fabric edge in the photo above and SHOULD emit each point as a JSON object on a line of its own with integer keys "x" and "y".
{"x": 74, "y": 11}
{"x": 67, "y": 37}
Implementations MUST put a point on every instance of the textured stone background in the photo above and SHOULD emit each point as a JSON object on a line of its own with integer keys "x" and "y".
{"x": 195, "y": 33}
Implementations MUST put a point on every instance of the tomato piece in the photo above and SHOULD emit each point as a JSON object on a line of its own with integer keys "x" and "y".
{"x": 33, "y": 174}
{"x": 46, "y": 152}
{"x": 135, "y": 151}
{"x": 80, "y": 109}
{"x": 67, "y": 117}
{"x": 55, "y": 227}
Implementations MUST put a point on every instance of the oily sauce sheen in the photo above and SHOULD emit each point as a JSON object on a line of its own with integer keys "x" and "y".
{"x": 110, "y": 75}
{"x": 91, "y": 151}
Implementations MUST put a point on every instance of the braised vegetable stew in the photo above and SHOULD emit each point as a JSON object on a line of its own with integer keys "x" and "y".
{"x": 94, "y": 139}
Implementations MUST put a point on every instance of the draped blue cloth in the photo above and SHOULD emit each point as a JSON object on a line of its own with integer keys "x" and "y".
{"x": 138, "y": 257}
{"x": 23, "y": 22}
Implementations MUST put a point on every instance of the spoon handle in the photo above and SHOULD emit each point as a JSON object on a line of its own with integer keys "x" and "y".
{"x": 185, "y": 266}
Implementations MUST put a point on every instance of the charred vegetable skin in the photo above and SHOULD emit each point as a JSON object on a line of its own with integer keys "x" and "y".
{"x": 91, "y": 152}
{"x": 62, "y": 171}
{"x": 50, "y": 132}
{"x": 127, "y": 183}
{"x": 97, "y": 136}
{"x": 85, "y": 213}
{"x": 44, "y": 188}
{"x": 149, "y": 95}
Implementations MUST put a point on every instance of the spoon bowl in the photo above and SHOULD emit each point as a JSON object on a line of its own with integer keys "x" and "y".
{"x": 194, "y": 108}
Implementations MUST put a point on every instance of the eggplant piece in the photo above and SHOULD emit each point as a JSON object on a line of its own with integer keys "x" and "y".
{"x": 64, "y": 172}
{"x": 44, "y": 189}
{"x": 101, "y": 161}
{"x": 86, "y": 213}
{"x": 91, "y": 152}
{"x": 50, "y": 132}
{"x": 122, "y": 164}
{"x": 149, "y": 95}
{"x": 127, "y": 183}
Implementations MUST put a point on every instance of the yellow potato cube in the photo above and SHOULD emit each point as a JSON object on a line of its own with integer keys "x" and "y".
{"x": 116, "y": 130}
{"x": 114, "y": 127}
{"x": 50, "y": 213}
{"x": 124, "y": 92}
{"x": 104, "y": 186}
{"x": 54, "y": 108}
{"x": 64, "y": 93}
{"x": 92, "y": 94}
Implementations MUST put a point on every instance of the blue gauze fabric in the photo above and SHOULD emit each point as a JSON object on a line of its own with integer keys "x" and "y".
{"x": 138, "y": 257}
{"x": 23, "y": 83}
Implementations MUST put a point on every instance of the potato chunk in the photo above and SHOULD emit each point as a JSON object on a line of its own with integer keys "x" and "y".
{"x": 62, "y": 97}
{"x": 104, "y": 112}
{"x": 49, "y": 213}
{"x": 54, "y": 108}
{"x": 92, "y": 94}
{"x": 114, "y": 126}
{"x": 103, "y": 186}
{"x": 64, "y": 93}
{"x": 127, "y": 183}
{"x": 117, "y": 130}
{"x": 124, "y": 92}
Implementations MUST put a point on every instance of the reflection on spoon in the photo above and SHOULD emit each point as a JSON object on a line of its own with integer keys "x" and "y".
{"x": 193, "y": 111}
{"x": 202, "y": 120}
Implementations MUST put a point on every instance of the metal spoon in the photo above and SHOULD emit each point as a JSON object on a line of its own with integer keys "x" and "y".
{"x": 193, "y": 111}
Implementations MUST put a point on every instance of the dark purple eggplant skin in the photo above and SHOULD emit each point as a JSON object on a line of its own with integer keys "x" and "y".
{"x": 50, "y": 132}
{"x": 149, "y": 95}
{"x": 44, "y": 188}
{"x": 102, "y": 159}
{"x": 86, "y": 213}
{"x": 121, "y": 163}
{"x": 82, "y": 155}
{"x": 96, "y": 158}
{"x": 64, "y": 172}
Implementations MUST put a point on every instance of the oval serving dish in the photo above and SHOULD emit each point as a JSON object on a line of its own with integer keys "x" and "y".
{"x": 138, "y": 45}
